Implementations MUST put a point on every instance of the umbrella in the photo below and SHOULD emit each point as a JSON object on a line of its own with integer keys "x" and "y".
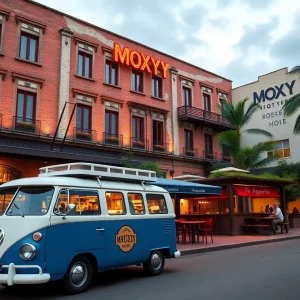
{"x": 230, "y": 169}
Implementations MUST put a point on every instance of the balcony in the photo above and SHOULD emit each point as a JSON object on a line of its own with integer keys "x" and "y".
{"x": 201, "y": 117}
{"x": 112, "y": 139}
{"x": 226, "y": 158}
{"x": 190, "y": 152}
{"x": 85, "y": 135}
{"x": 27, "y": 125}
{"x": 210, "y": 155}
{"x": 158, "y": 146}
{"x": 140, "y": 144}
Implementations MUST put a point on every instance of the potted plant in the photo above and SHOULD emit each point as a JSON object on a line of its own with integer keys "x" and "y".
{"x": 27, "y": 126}
{"x": 189, "y": 152}
{"x": 159, "y": 147}
{"x": 84, "y": 135}
{"x": 112, "y": 139}
{"x": 139, "y": 144}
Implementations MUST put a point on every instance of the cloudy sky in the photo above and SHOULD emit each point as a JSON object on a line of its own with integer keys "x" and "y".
{"x": 237, "y": 39}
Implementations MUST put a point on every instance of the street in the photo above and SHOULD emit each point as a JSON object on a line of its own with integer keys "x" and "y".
{"x": 269, "y": 271}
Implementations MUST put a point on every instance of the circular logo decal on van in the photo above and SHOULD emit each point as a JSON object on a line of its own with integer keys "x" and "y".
{"x": 125, "y": 238}
{"x": 1, "y": 236}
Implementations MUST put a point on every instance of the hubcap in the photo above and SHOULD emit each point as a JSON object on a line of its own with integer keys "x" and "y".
{"x": 78, "y": 274}
{"x": 156, "y": 260}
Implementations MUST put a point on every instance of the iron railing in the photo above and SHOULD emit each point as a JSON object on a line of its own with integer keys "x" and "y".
{"x": 113, "y": 139}
{"x": 85, "y": 135}
{"x": 190, "y": 152}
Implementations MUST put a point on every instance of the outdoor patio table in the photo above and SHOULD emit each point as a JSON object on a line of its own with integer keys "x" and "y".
{"x": 265, "y": 220}
{"x": 193, "y": 226}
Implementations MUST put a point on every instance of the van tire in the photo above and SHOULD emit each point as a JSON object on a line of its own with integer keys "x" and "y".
{"x": 79, "y": 276}
{"x": 155, "y": 264}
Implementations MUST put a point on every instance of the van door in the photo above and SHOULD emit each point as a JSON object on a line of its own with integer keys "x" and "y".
{"x": 83, "y": 232}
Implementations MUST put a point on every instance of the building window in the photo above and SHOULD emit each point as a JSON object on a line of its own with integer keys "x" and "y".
{"x": 85, "y": 64}
{"x": 188, "y": 143}
{"x": 187, "y": 96}
{"x": 138, "y": 131}
{"x": 158, "y": 134}
{"x": 83, "y": 120}
{"x": 111, "y": 73}
{"x": 26, "y": 103}
{"x": 111, "y": 123}
{"x": 29, "y": 47}
{"x": 137, "y": 81}
{"x": 208, "y": 142}
{"x": 157, "y": 87}
{"x": 282, "y": 149}
{"x": 207, "y": 102}
{"x": 1, "y": 33}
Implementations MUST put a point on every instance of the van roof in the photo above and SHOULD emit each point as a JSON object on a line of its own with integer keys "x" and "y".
{"x": 82, "y": 183}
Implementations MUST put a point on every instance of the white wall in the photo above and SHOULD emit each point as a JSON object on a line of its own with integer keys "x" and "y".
{"x": 270, "y": 118}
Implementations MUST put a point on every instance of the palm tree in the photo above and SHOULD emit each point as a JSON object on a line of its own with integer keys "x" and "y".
{"x": 239, "y": 117}
{"x": 293, "y": 104}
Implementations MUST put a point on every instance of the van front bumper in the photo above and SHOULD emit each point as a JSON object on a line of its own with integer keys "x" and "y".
{"x": 12, "y": 278}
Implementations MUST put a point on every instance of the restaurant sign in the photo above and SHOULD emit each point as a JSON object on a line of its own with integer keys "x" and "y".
{"x": 126, "y": 238}
{"x": 139, "y": 61}
{"x": 256, "y": 191}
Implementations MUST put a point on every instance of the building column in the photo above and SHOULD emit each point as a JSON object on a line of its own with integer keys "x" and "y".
{"x": 283, "y": 205}
{"x": 64, "y": 79}
{"x": 174, "y": 98}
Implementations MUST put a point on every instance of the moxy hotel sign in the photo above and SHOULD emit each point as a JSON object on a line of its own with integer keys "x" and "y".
{"x": 274, "y": 92}
{"x": 139, "y": 61}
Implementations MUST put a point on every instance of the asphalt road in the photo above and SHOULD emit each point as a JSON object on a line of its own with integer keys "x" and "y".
{"x": 270, "y": 271}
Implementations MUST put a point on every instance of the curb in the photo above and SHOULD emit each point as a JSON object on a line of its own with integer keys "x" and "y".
{"x": 225, "y": 247}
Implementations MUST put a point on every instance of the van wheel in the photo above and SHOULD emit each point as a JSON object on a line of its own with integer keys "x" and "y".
{"x": 155, "y": 264}
{"x": 79, "y": 275}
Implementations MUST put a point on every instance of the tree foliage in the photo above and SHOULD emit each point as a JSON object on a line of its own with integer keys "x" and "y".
{"x": 244, "y": 157}
{"x": 129, "y": 162}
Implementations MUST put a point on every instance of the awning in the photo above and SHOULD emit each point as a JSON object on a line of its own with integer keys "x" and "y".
{"x": 223, "y": 196}
{"x": 186, "y": 189}
{"x": 256, "y": 191}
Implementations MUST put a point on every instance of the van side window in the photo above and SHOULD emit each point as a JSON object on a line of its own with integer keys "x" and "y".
{"x": 87, "y": 202}
{"x": 156, "y": 204}
{"x": 136, "y": 204}
{"x": 115, "y": 203}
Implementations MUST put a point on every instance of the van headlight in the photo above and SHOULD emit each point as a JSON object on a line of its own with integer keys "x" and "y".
{"x": 27, "y": 252}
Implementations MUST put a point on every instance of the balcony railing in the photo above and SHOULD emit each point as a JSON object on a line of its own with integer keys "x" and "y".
{"x": 210, "y": 155}
{"x": 27, "y": 125}
{"x": 159, "y": 146}
{"x": 86, "y": 135}
{"x": 138, "y": 143}
{"x": 113, "y": 139}
{"x": 190, "y": 152}
{"x": 197, "y": 115}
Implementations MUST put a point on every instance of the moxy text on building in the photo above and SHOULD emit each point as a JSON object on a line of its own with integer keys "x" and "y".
{"x": 139, "y": 61}
{"x": 275, "y": 92}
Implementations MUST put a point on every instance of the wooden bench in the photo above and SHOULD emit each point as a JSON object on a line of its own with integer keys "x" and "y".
{"x": 262, "y": 226}
{"x": 284, "y": 225}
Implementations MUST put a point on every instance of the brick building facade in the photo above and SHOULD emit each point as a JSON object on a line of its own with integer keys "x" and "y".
{"x": 71, "y": 91}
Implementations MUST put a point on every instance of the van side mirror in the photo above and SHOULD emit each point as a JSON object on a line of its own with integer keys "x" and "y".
{"x": 71, "y": 210}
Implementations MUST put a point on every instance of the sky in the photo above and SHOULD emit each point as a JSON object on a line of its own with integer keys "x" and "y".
{"x": 237, "y": 39}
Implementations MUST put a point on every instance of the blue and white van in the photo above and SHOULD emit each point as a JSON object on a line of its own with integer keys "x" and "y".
{"x": 76, "y": 219}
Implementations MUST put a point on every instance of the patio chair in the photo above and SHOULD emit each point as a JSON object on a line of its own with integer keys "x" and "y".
{"x": 206, "y": 230}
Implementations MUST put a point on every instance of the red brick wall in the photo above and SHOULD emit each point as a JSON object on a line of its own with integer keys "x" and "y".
{"x": 49, "y": 71}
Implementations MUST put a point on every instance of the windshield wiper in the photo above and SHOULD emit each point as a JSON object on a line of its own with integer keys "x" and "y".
{"x": 18, "y": 208}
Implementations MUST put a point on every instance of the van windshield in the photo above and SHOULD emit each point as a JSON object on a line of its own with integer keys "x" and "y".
{"x": 31, "y": 201}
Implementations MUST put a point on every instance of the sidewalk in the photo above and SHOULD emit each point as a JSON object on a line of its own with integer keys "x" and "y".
{"x": 226, "y": 242}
